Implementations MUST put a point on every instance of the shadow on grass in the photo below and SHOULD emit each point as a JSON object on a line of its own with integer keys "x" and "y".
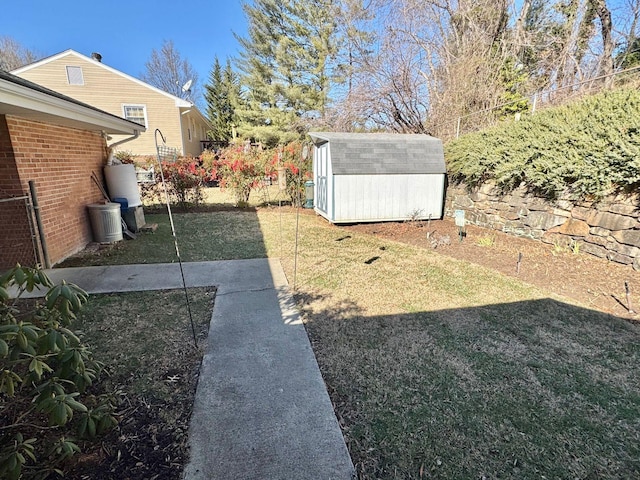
{"x": 221, "y": 234}
{"x": 512, "y": 390}
{"x": 531, "y": 389}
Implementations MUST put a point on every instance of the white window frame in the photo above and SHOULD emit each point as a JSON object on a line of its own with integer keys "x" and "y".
{"x": 135, "y": 105}
{"x": 77, "y": 75}
{"x": 145, "y": 175}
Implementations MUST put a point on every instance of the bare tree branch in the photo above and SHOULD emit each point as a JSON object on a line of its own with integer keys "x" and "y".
{"x": 13, "y": 55}
{"x": 169, "y": 72}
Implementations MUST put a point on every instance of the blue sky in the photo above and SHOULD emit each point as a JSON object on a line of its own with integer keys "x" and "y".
{"x": 125, "y": 32}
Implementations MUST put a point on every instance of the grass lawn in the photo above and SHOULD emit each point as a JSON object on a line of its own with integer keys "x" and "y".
{"x": 439, "y": 368}
{"x": 201, "y": 237}
{"x": 442, "y": 369}
{"x": 229, "y": 234}
{"x": 146, "y": 342}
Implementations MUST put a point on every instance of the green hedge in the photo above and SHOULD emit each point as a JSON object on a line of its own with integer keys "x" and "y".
{"x": 585, "y": 150}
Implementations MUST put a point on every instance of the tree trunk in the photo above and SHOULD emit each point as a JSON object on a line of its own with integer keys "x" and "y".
{"x": 520, "y": 34}
{"x": 606, "y": 27}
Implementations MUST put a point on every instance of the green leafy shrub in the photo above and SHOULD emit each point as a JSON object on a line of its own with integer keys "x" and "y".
{"x": 585, "y": 150}
{"x": 45, "y": 371}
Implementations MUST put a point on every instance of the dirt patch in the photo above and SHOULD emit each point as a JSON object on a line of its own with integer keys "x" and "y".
{"x": 594, "y": 282}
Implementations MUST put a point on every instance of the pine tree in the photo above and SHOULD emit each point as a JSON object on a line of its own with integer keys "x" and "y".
{"x": 234, "y": 97}
{"x": 285, "y": 63}
{"x": 222, "y": 95}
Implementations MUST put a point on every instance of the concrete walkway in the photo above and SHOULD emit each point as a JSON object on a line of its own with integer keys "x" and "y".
{"x": 261, "y": 409}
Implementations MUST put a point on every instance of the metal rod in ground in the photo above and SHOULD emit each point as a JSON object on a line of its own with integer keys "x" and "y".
{"x": 295, "y": 250}
{"x": 518, "y": 263}
{"x": 280, "y": 214}
{"x": 175, "y": 238}
{"x": 627, "y": 290}
{"x": 175, "y": 243}
{"x": 186, "y": 295}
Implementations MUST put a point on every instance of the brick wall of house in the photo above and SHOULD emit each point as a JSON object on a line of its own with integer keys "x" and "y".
{"x": 60, "y": 161}
{"x": 15, "y": 241}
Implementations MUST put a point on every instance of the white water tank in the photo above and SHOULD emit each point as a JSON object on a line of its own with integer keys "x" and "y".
{"x": 123, "y": 183}
{"x": 105, "y": 222}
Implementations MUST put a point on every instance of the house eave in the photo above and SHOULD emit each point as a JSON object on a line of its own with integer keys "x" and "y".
{"x": 19, "y": 100}
{"x": 192, "y": 108}
{"x": 179, "y": 102}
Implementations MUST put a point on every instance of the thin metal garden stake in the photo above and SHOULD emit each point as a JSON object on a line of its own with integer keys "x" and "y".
{"x": 295, "y": 253}
{"x": 282, "y": 186}
{"x": 627, "y": 290}
{"x": 295, "y": 250}
{"x": 171, "y": 155}
{"x": 518, "y": 263}
{"x": 280, "y": 215}
{"x": 304, "y": 154}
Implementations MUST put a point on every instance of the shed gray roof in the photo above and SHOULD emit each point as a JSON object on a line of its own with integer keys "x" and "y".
{"x": 382, "y": 153}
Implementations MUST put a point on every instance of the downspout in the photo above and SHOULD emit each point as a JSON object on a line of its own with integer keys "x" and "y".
{"x": 111, "y": 151}
{"x": 136, "y": 134}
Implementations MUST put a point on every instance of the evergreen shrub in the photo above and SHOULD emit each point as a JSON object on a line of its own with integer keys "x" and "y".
{"x": 45, "y": 374}
{"x": 585, "y": 150}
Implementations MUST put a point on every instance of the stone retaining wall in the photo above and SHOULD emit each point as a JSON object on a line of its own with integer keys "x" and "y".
{"x": 608, "y": 229}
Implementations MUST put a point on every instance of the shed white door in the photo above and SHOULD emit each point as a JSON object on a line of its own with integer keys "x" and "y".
{"x": 321, "y": 172}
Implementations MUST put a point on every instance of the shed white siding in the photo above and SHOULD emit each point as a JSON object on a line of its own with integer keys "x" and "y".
{"x": 379, "y": 198}
{"x": 377, "y": 177}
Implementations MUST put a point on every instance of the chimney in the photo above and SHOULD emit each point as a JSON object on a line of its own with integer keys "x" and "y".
{"x": 96, "y": 56}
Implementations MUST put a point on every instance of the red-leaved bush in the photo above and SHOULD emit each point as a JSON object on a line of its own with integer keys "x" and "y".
{"x": 240, "y": 169}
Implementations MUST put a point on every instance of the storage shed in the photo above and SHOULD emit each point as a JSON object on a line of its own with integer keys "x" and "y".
{"x": 376, "y": 177}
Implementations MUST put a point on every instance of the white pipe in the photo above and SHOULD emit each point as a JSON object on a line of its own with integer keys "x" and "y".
{"x": 136, "y": 134}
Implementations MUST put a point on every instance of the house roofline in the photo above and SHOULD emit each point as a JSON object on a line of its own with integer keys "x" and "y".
{"x": 178, "y": 101}
{"x": 200, "y": 114}
{"x": 20, "y": 97}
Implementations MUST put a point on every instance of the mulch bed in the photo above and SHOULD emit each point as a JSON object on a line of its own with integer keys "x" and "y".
{"x": 594, "y": 282}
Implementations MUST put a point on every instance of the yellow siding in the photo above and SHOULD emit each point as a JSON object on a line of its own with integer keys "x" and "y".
{"x": 110, "y": 91}
{"x": 192, "y": 123}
